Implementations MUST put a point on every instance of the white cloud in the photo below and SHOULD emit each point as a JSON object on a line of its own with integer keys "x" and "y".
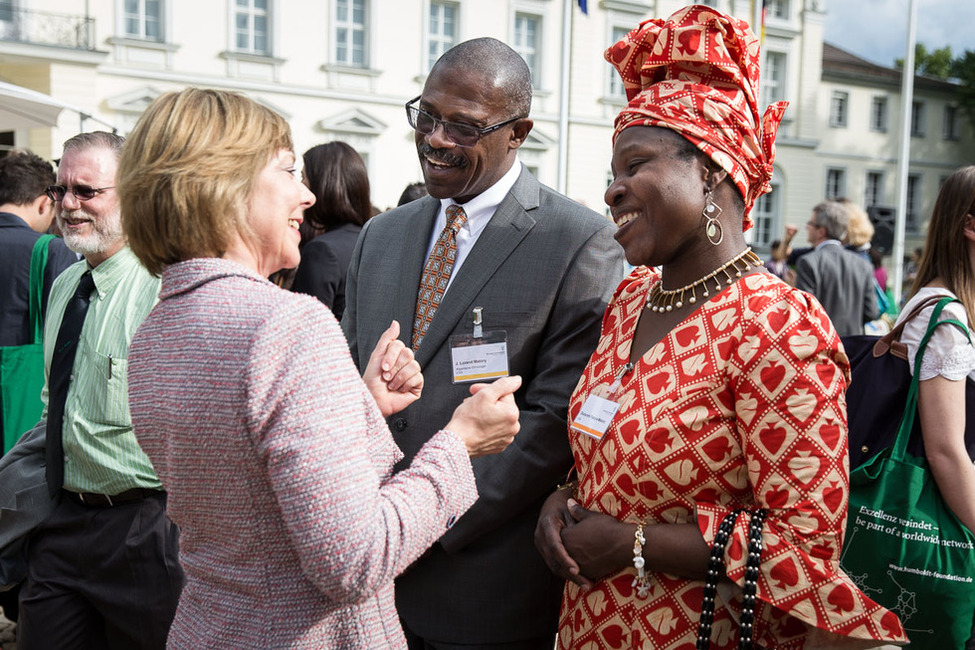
{"x": 877, "y": 29}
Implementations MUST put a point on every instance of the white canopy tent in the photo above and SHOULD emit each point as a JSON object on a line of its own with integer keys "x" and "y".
{"x": 23, "y": 108}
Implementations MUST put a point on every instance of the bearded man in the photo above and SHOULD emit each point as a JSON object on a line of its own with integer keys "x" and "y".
{"x": 103, "y": 569}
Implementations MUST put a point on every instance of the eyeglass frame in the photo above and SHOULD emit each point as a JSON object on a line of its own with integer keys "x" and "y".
{"x": 53, "y": 190}
{"x": 481, "y": 131}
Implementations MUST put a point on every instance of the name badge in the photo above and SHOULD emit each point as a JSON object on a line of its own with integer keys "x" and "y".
{"x": 482, "y": 356}
{"x": 600, "y": 407}
{"x": 595, "y": 416}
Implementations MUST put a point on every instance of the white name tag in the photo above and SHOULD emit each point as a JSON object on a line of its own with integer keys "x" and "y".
{"x": 479, "y": 359}
{"x": 595, "y": 416}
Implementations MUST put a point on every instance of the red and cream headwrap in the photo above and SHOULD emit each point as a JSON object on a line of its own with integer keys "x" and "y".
{"x": 697, "y": 73}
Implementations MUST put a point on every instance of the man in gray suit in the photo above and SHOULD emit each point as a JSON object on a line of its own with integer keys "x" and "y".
{"x": 842, "y": 280}
{"x": 537, "y": 270}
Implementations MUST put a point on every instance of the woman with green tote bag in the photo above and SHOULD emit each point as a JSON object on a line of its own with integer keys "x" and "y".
{"x": 909, "y": 541}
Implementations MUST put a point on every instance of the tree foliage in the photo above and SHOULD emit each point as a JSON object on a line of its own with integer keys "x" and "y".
{"x": 936, "y": 63}
{"x": 963, "y": 69}
{"x": 942, "y": 64}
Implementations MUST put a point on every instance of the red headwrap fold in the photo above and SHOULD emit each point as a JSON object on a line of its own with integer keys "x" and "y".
{"x": 697, "y": 74}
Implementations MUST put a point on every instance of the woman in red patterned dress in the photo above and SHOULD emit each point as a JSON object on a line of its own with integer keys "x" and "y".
{"x": 716, "y": 388}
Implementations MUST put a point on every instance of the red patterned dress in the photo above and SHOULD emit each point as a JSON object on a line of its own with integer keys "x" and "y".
{"x": 740, "y": 406}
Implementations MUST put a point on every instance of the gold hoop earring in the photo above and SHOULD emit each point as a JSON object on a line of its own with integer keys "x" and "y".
{"x": 711, "y": 213}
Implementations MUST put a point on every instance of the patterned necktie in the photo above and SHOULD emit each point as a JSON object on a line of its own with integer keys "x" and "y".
{"x": 436, "y": 273}
{"x": 62, "y": 364}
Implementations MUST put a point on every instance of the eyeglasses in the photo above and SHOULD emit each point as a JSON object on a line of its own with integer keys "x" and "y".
{"x": 462, "y": 135}
{"x": 81, "y": 192}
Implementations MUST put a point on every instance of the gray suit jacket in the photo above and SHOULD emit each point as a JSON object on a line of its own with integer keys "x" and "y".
{"x": 543, "y": 270}
{"x": 24, "y": 502}
{"x": 843, "y": 282}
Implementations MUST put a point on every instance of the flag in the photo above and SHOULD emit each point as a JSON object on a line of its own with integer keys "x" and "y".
{"x": 761, "y": 35}
{"x": 582, "y": 5}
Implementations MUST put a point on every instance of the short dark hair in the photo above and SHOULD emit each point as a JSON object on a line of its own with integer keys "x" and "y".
{"x": 23, "y": 177}
{"x": 412, "y": 192}
{"x": 498, "y": 62}
{"x": 337, "y": 176}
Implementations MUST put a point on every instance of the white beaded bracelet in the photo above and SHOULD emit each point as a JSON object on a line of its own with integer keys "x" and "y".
{"x": 641, "y": 581}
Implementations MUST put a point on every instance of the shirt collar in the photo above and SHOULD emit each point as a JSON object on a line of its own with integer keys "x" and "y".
{"x": 109, "y": 273}
{"x": 829, "y": 242}
{"x": 482, "y": 207}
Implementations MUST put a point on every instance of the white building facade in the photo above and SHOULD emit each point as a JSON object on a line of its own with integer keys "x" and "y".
{"x": 343, "y": 69}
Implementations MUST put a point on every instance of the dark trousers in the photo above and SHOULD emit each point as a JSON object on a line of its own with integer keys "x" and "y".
{"x": 101, "y": 577}
{"x": 415, "y": 642}
{"x": 9, "y": 603}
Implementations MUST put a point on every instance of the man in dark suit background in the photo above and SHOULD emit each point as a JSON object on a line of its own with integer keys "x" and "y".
{"x": 840, "y": 279}
{"x": 541, "y": 268}
{"x": 26, "y": 213}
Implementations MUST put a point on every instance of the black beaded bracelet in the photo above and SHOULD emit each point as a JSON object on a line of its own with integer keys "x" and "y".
{"x": 716, "y": 569}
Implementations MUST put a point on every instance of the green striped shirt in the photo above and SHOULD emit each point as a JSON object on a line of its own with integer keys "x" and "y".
{"x": 101, "y": 453}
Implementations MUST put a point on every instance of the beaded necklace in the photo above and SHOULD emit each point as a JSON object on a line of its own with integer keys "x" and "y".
{"x": 663, "y": 300}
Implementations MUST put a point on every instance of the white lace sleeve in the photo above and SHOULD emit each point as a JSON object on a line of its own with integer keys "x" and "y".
{"x": 949, "y": 353}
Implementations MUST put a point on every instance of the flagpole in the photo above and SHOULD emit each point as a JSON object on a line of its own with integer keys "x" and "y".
{"x": 564, "y": 96}
{"x": 903, "y": 163}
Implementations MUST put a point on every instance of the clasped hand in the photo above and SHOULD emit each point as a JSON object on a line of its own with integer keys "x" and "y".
{"x": 486, "y": 422}
{"x": 581, "y": 545}
{"x": 392, "y": 375}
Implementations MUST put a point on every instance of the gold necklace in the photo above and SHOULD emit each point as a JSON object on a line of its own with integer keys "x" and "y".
{"x": 662, "y": 300}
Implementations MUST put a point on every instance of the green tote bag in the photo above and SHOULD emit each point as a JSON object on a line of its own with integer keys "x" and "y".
{"x": 22, "y": 366}
{"x": 904, "y": 548}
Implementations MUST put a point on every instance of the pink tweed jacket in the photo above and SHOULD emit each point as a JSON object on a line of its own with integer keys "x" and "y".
{"x": 279, "y": 465}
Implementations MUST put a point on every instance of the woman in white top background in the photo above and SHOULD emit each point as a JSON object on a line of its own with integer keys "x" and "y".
{"x": 947, "y": 268}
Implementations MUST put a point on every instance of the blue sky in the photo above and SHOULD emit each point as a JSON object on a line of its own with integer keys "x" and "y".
{"x": 876, "y": 30}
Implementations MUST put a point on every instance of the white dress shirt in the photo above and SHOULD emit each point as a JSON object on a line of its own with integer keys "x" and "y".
{"x": 479, "y": 211}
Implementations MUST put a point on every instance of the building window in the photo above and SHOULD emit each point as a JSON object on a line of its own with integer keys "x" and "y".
{"x": 838, "y": 107}
{"x": 777, "y": 9}
{"x": 252, "y": 21}
{"x": 615, "y": 87}
{"x": 878, "y": 114}
{"x": 950, "y": 128}
{"x": 443, "y": 30}
{"x": 773, "y": 83}
{"x": 917, "y": 119}
{"x": 835, "y": 183}
{"x": 764, "y": 216}
{"x": 350, "y": 33}
{"x": 527, "y": 43}
{"x": 874, "y": 192}
{"x": 912, "y": 222}
{"x": 143, "y": 19}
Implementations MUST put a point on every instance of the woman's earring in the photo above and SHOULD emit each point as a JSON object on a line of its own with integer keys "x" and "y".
{"x": 713, "y": 227}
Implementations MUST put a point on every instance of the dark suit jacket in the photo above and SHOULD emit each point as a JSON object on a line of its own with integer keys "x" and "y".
{"x": 843, "y": 282}
{"x": 16, "y": 243}
{"x": 543, "y": 269}
{"x": 324, "y": 266}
